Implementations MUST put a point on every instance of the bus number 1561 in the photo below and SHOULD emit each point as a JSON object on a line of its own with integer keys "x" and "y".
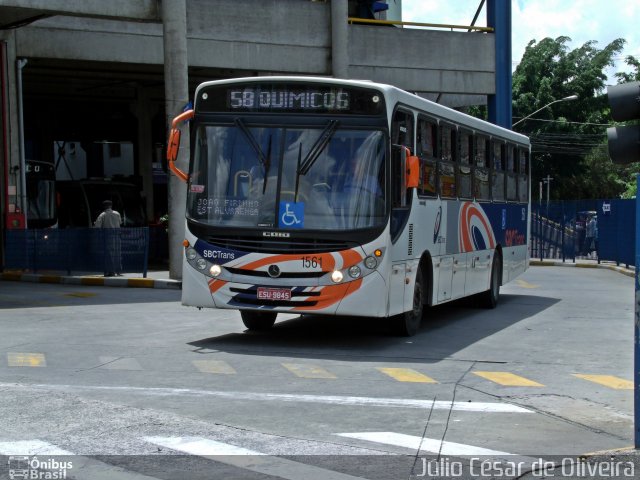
{"x": 311, "y": 262}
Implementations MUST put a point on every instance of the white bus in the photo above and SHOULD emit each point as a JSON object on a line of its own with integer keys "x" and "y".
{"x": 340, "y": 197}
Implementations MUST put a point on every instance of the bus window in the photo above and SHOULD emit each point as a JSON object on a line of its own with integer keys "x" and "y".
{"x": 512, "y": 194}
{"x": 523, "y": 175}
{"x": 426, "y": 150}
{"x": 481, "y": 190}
{"x": 497, "y": 170}
{"x": 402, "y": 129}
{"x": 464, "y": 168}
{"x": 446, "y": 165}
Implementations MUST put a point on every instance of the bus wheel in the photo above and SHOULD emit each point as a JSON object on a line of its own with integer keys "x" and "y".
{"x": 258, "y": 321}
{"x": 489, "y": 299}
{"x": 408, "y": 323}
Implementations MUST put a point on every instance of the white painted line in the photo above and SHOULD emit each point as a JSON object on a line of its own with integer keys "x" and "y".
{"x": 82, "y": 467}
{"x": 248, "y": 459}
{"x": 482, "y": 407}
{"x": 424, "y": 444}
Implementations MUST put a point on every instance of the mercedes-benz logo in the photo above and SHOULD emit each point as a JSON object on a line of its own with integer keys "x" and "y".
{"x": 274, "y": 271}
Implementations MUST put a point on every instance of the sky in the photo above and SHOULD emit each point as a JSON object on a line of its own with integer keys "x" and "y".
{"x": 580, "y": 20}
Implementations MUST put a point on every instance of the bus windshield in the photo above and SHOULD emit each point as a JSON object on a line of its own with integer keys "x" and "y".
{"x": 316, "y": 178}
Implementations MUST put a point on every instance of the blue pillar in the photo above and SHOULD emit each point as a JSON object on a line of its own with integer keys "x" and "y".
{"x": 636, "y": 329}
{"x": 499, "y": 18}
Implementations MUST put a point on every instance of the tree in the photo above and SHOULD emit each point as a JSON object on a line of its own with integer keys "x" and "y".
{"x": 567, "y": 137}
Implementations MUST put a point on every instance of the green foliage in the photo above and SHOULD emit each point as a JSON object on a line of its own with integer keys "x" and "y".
{"x": 569, "y": 137}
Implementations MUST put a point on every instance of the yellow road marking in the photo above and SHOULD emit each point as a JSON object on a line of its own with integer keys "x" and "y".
{"x": 308, "y": 371}
{"x": 19, "y": 359}
{"x": 523, "y": 284}
{"x": 80, "y": 294}
{"x": 508, "y": 379}
{"x": 607, "y": 380}
{"x": 406, "y": 375}
{"x": 214, "y": 366}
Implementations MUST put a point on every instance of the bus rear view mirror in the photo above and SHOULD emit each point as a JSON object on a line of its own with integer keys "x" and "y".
{"x": 413, "y": 171}
{"x": 173, "y": 145}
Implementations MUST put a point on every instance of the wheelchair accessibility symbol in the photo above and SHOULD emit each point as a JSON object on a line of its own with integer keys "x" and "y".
{"x": 291, "y": 215}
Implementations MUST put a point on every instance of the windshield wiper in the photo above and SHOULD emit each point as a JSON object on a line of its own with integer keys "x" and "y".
{"x": 252, "y": 141}
{"x": 318, "y": 147}
{"x": 265, "y": 161}
{"x": 267, "y": 166}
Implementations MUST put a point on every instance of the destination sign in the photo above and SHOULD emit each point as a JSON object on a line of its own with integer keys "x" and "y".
{"x": 294, "y": 98}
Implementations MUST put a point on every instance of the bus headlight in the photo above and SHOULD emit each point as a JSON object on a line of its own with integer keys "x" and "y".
{"x": 191, "y": 254}
{"x": 201, "y": 263}
{"x": 371, "y": 263}
{"x": 355, "y": 272}
{"x": 215, "y": 270}
{"x": 337, "y": 276}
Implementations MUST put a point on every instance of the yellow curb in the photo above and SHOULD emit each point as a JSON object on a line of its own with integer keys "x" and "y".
{"x": 92, "y": 281}
{"x": 140, "y": 282}
{"x": 11, "y": 276}
{"x": 50, "y": 279}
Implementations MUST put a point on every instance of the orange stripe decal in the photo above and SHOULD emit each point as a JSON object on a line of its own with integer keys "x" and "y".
{"x": 332, "y": 294}
{"x": 215, "y": 285}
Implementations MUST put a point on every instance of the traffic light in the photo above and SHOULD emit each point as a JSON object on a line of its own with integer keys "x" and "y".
{"x": 624, "y": 142}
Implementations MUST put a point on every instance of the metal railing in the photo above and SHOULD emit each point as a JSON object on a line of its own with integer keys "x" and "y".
{"x": 468, "y": 28}
{"x": 86, "y": 250}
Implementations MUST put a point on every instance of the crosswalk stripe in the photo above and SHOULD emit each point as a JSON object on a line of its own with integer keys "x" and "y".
{"x": 424, "y": 444}
{"x": 214, "y": 366}
{"x": 406, "y": 375}
{"x": 607, "y": 380}
{"x": 508, "y": 379}
{"x": 308, "y": 371}
{"x": 248, "y": 459}
{"x": 21, "y": 359}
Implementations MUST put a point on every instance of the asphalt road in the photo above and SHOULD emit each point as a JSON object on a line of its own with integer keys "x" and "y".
{"x": 128, "y": 381}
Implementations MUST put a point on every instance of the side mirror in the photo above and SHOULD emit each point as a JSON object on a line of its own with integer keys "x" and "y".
{"x": 412, "y": 165}
{"x": 173, "y": 145}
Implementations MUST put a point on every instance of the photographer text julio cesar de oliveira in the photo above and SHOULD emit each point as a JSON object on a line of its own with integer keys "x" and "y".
{"x": 568, "y": 467}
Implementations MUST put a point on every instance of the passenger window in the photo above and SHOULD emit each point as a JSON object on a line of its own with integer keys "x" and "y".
{"x": 446, "y": 165}
{"x": 512, "y": 180}
{"x": 464, "y": 168}
{"x": 497, "y": 170}
{"x": 481, "y": 189}
{"x": 427, "y": 151}
{"x": 523, "y": 175}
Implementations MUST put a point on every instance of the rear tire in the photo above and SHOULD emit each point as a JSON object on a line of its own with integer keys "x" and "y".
{"x": 258, "y": 321}
{"x": 489, "y": 299}
{"x": 408, "y": 323}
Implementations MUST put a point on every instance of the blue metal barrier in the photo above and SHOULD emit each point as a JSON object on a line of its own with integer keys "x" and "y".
{"x": 561, "y": 230}
{"x": 93, "y": 250}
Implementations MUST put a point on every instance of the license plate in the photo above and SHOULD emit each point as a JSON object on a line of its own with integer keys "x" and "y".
{"x": 265, "y": 293}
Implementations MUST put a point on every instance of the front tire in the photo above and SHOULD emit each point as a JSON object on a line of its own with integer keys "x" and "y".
{"x": 258, "y": 321}
{"x": 408, "y": 323}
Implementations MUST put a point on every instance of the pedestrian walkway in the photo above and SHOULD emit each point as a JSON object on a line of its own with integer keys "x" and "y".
{"x": 584, "y": 263}
{"x": 154, "y": 279}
